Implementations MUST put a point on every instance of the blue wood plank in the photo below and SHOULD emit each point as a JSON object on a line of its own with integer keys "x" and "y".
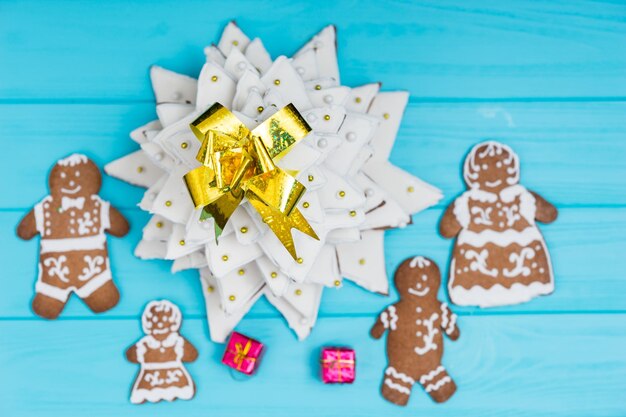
{"x": 555, "y": 365}
{"x": 88, "y": 50}
{"x": 586, "y": 246}
{"x": 571, "y": 153}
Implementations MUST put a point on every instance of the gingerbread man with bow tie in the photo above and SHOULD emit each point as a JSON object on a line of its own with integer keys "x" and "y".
{"x": 73, "y": 255}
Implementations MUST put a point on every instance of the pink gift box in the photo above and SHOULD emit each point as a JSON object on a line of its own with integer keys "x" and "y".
{"x": 242, "y": 353}
{"x": 338, "y": 365}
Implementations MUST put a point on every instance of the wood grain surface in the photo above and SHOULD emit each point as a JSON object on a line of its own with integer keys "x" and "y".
{"x": 547, "y": 78}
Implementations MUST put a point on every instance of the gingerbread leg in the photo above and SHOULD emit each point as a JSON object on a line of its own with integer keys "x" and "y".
{"x": 102, "y": 299}
{"x": 47, "y": 307}
{"x": 396, "y": 386}
{"x": 438, "y": 384}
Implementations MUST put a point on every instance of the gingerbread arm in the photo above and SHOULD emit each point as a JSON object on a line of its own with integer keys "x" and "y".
{"x": 449, "y": 226}
{"x": 27, "y": 229}
{"x": 448, "y": 322}
{"x": 387, "y": 319}
{"x": 131, "y": 354}
{"x": 190, "y": 353}
{"x": 546, "y": 212}
{"x": 119, "y": 225}
{"x": 378, "y": 329}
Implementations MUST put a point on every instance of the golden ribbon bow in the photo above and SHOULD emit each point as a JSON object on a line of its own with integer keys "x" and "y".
{"x": 241, "y": 353}
{"x": 238, "y": 163}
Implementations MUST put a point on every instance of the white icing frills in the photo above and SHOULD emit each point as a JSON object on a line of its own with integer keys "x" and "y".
{"x": 73, "y": 160}
{"x": 352, "y": 193}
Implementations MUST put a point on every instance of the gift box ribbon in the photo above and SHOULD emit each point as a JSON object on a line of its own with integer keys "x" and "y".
{"x": 241, "y": 353}
{"x": 338, "y": 364}
{"x": 238, "y": 163}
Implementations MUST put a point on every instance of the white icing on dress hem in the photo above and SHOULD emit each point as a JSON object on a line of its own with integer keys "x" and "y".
{"x": 498, "y": 295}
{"x": 158, "y": 394}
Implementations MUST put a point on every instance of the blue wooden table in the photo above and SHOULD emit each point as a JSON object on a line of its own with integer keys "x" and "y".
{"x": 549, "y": 79}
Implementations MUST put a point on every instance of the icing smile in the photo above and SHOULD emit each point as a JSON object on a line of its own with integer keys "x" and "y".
{"x": 71, "y": 190}
{"x": 418, "y": 292}
{"x": 161, "y": 331}
{"x": 493, "y": 184}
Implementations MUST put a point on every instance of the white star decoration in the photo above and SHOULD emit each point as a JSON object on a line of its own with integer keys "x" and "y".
{"x": 353, "y": 192}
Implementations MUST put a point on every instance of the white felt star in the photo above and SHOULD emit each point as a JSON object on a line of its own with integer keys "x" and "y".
{"x": 353, "y": 192}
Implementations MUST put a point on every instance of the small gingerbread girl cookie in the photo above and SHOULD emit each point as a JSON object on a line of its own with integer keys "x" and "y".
{"x": 73, "y": 256}
{"x": 161, "y": 354}
{"x": 499, "y": 256}
{"x": 416, "y": 325}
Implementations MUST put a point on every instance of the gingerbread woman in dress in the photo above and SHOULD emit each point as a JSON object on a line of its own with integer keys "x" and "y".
{"x": 73, "y": 256}
{"x": 416, "y": 325}
{"x": 161, "y": 354}
{"x": 499, "y": 256}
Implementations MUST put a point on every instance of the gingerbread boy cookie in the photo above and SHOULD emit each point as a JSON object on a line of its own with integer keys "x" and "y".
{"x": 161, "y": 353}
{"x": 73, "y": 256}
{"x": 499, "y": 256}
{"x": 416, "y": 325}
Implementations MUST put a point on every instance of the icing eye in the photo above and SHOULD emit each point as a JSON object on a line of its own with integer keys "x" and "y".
{"x": 63, "y": 175}
{"x": 424, "y": 277}
{"x": 77, "y": 173}
{"x": 485, "y": 166}
{"x": 155, "y": 319}
{"x": 499, "y": 164}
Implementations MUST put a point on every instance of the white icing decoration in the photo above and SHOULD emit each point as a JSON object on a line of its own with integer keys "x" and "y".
{"x": 393, "y": 319}
{"x": 518, "y": 259}
{"x": 434, "y": 387}
{"x": 431, "y": 331}
{"x": 498, "y": 295}
{"x": 432, "y": 374}
{"x": 68, "y": 203}
{"x": 502, "y": 239}
{"x": 418, "y": 292}
{"x": 483, "y": 215}
{"x": 73, "y": 160}
{"x": 512, "y": 214}
{"x": 57, "y": 268}
{"x": 85, "y": 223}
{"x": 479, "y": 262}
{"x": 74, "y": 243}
{"x": 94, "y": 266}
{"x": 397, "y": 387}
{"x": 399, "y": 375}
{"x": 385, "y": 319}
{"x": 420, "y": 262}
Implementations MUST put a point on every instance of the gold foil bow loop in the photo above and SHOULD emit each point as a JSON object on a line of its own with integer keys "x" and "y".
{"x": 238, "y": 163}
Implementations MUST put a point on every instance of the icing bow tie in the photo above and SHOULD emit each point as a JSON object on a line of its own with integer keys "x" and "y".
{"x": 238, "y": 163}
{"x": 68, "y": 203}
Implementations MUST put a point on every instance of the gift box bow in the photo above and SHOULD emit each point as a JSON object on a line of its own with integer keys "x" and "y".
{"x": 335, "y": 361}
{"x": 241, "y": 353}
{"x": 237, "y": 163}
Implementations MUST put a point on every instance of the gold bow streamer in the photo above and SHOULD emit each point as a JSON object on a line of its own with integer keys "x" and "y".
{"x": 241, "y": 353}
{"x": 238, "y": 163}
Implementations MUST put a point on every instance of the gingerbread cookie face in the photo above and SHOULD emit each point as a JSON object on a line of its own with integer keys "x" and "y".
{"x": 410, "y": 283}
{"x": 73, "y": 221}
{"x": 161, "y": 319}
{"x": 75, "y": 176}
{"x": 491, "y": 166}
{"x": 161, "y": 354}
{"x": 416, "y": 325}
{"x": 499, "y": 256}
